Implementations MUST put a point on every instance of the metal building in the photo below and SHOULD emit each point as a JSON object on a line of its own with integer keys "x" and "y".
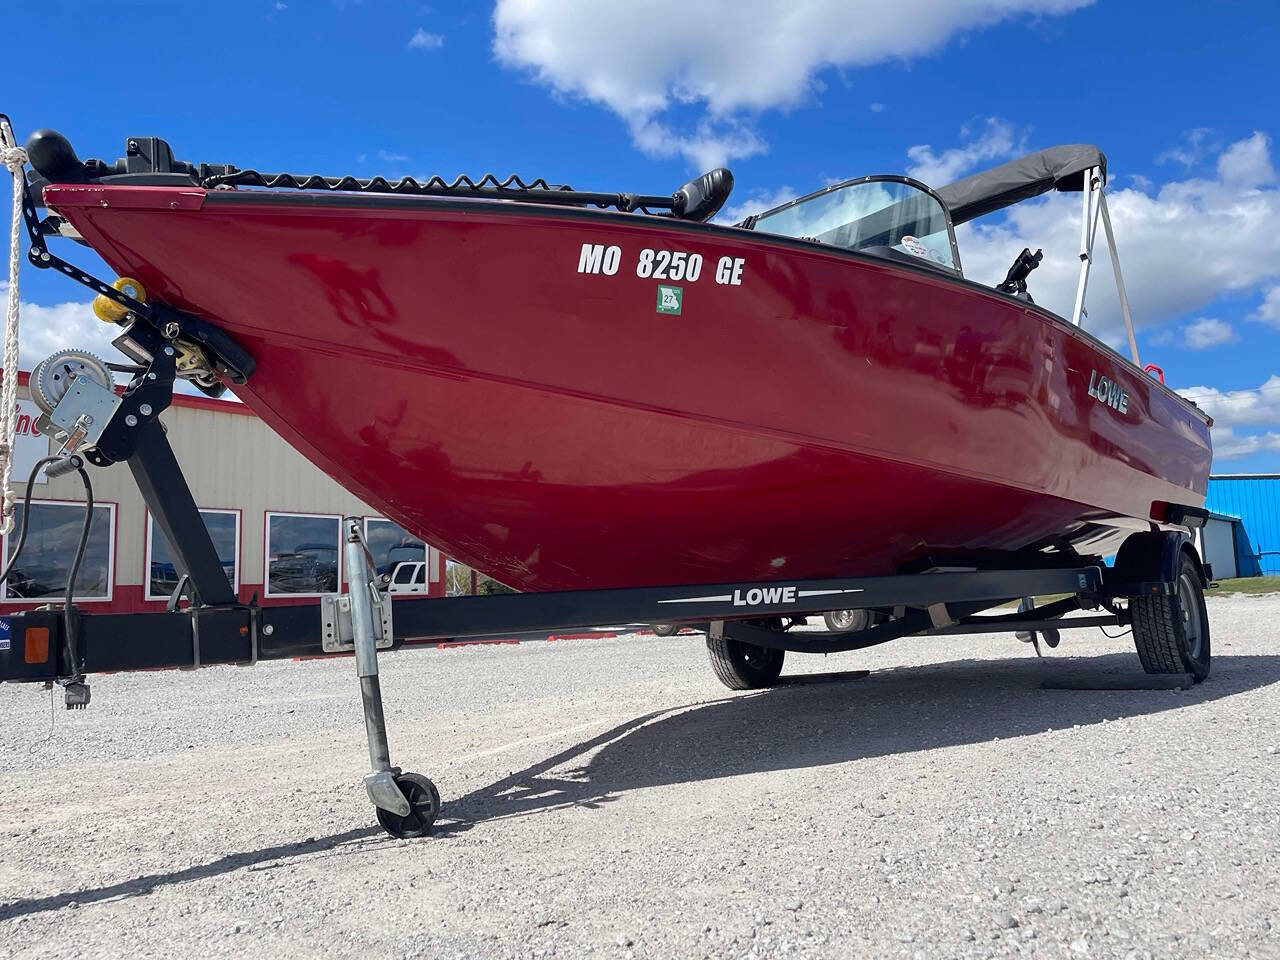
{"x": 274, "y": 517}
{"x": 1247, "y": 508}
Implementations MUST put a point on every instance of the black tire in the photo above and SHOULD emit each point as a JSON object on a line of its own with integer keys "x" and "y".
{"x": 1172, "y": 633}
{"x": 847, "y": 621}
{"x": 424, "y": 807}
{"x": 664, "y": 629}
{"x": 744, "y": 666}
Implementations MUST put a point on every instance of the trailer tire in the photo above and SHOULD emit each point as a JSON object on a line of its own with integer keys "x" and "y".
{"x": 847, "y": 621}
{"x": 1172, "y": 632}
{"x": 664, "y": 629}
{"x": 744, "y": 666}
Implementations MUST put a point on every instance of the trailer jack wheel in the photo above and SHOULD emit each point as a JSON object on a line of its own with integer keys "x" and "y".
{"x": 424, "y": 807}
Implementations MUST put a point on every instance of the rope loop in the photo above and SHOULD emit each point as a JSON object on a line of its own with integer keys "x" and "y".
{"x": 14, "y": 158}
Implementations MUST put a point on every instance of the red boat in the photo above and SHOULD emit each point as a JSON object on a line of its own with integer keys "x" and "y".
{"x": 571, "y": 397}
{"x": 632, "y": 413}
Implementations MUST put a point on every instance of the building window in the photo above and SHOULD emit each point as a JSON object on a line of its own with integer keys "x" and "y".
{"x": 224, "y": 530}
{"x": 390, "y": 544}
{"x": 52, "y": 536}
{"x": 302, "y": 554}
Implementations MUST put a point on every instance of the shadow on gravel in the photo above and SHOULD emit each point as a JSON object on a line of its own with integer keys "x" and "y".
{"x": 792, "y": 727}
{"x": 141, "y": 886}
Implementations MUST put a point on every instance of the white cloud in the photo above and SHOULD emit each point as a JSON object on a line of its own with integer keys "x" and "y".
{"x": 1234, "y": 409}
{"x": 421, "y": 40}
{"x": 730, "y": 58}
{"x": 1240, "y": 408}
{"x": 876, "y": 107}
{"x": 45, "y": 330}
{"x": 995, "y": 142}
{"x": 1195, "y": 144}
{"x": 1207, "y": 332}
{"x": 1247, "y": 163}
{"x": 1227, "y": 445}
{"x": 755, "y": 201}
{"x": 707, "y": 147}
{"x": 1269, "y": 310}
{"x": 1180, "y": 248}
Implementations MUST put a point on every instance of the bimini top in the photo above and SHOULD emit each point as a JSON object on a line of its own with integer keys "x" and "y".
{"x": 1058, "y": 168}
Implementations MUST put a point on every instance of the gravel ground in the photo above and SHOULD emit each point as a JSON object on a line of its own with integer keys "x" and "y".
{"x": 606, "y": 797}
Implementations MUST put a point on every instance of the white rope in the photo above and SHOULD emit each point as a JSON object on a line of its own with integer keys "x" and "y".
{"x": 14, "y": 157}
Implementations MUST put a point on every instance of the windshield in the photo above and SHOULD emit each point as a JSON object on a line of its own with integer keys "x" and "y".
{"x": 869, "y": 214}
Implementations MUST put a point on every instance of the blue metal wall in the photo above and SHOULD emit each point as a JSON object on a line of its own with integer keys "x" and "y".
{"x": 1256, "y": 501}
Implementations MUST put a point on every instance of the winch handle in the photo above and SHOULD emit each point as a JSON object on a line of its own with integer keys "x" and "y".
{"x": 62, "y": 467}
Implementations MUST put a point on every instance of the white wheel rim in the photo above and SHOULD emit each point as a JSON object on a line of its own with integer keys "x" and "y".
{"x": 843, "y": 618}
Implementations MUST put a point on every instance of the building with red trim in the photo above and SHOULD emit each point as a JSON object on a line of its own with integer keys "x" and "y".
{"x": 274, "y": 517}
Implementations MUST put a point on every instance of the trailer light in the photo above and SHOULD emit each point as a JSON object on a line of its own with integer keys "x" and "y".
{"x": 37, "y": 645}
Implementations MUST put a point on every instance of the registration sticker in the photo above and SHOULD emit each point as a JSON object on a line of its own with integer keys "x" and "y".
{"x": 669, "y": 299}
{"x": 6, "y": 631}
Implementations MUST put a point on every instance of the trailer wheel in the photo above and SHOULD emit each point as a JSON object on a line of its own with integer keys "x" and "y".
{"x": 424, "y": 807}
{"x": 744, "y": 666}
{"x": 1172, "y": 633}
{"x": 664, "y": 629}
{"x": 847, "y": 621}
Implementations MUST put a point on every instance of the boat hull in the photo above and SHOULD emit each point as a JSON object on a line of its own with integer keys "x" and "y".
{"x": 460, "y": 367}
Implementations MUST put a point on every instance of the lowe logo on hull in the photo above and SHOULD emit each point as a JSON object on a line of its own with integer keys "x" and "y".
{"x": 1108, "y": 392}
{"x": 757, "y": 596}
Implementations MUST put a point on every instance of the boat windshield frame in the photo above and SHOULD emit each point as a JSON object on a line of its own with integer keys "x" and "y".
{"x": 956, "y": 271}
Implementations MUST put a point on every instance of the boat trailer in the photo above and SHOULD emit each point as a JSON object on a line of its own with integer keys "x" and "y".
{"x": 1156, "y": 584}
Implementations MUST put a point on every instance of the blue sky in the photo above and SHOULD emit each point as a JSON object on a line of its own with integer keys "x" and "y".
{"x": 1183, "y": 97}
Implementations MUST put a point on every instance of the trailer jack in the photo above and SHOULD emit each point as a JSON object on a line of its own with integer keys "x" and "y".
{"x": 407, "y": 803}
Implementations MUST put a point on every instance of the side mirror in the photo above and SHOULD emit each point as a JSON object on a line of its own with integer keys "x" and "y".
{"x": 702, "y": 198}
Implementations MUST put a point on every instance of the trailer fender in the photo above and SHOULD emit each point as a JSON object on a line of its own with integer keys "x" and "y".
{"x": 1146, "y": 558}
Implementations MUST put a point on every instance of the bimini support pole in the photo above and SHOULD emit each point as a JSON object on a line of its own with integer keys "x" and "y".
{"x": 1115, "y": 266}
{"x": 407, "y": 803}
{"x": 1088, "y": 230}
